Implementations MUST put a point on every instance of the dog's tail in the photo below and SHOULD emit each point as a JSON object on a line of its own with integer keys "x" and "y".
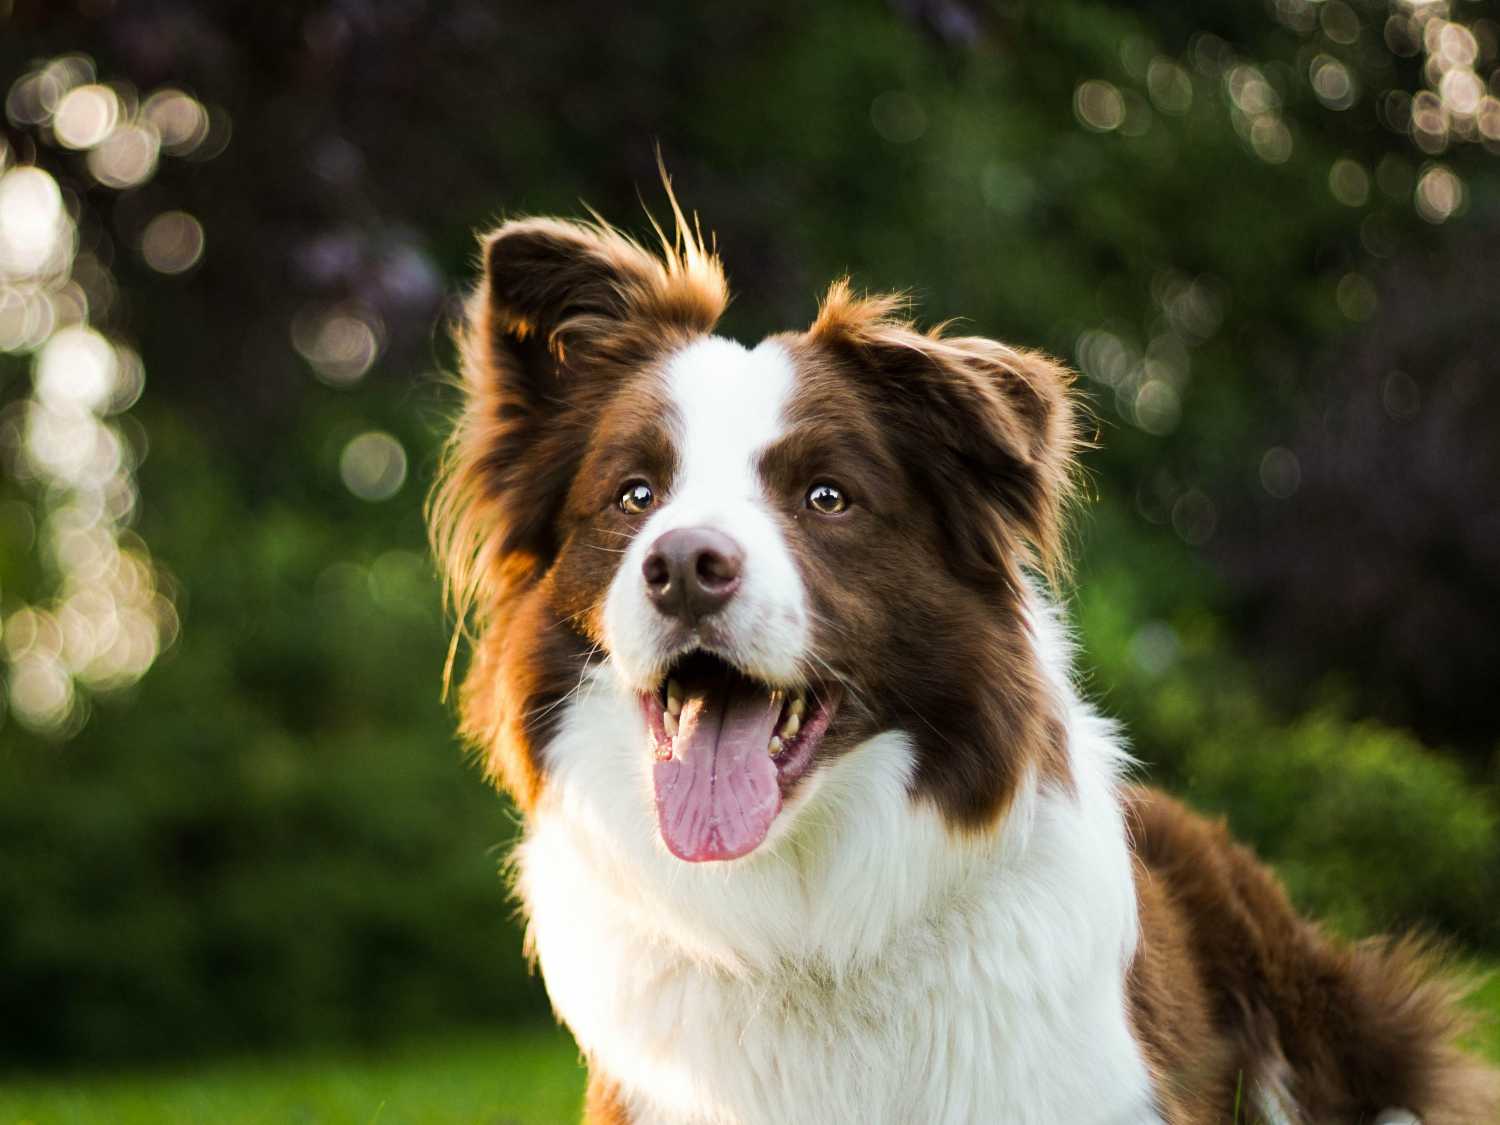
{"x": 1313, "y": 1030}
{"x": 1384, "y": 1029}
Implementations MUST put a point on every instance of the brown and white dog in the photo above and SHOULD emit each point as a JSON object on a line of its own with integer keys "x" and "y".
{"x": 818, "y": 828}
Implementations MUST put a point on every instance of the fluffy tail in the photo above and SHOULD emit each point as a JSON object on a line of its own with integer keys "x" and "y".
{"x": 1320, "y": 1031}
{"x": 1387, "y": 1034}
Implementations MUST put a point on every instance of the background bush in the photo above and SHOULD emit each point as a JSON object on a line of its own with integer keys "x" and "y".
{"x": 1289, "y": 568}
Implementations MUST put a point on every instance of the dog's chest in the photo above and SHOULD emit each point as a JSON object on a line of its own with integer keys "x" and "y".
{"x": 956, "y": 1025}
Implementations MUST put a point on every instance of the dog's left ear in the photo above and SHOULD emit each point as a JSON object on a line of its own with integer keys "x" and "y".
{"x": 1010, "y": 416}
{"x": 985, "y": 426}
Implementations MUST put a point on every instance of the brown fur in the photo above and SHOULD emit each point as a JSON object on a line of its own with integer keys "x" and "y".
{"x": 602, "y": 1103}
{"x": 957, "y": 454}
{"x": 1231, "y": 988}
{"x": 1000, "y": 418}
{"x": 555, "y": 337}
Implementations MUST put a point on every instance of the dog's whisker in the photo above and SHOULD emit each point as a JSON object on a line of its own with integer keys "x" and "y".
{"x": 584, "y": 612}
{"x": 573, "y": 693}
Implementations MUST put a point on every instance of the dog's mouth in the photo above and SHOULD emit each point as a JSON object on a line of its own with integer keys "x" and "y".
{"x": 728, "y": 748}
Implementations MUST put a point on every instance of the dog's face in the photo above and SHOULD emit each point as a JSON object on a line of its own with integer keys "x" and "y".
{"x": 779, "y": 552}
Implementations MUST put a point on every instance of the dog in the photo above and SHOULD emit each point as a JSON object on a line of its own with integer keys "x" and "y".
{"x": 818, "y": 828}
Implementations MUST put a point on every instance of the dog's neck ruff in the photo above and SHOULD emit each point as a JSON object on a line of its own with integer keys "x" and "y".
{"x": 865, "y": 964}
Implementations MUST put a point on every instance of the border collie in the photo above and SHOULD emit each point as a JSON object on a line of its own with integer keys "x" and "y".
{"x": 818, "y": 827}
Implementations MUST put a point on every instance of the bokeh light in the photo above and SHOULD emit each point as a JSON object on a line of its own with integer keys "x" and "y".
{"x": 180, "y": 120}
{"x": 1332, "y": 82}
{"x": 1455, "y": 100}
{"x": 1251, "y": 93}
{"x": 172, "y": 242}
{"x": 40, "y": 691}
{"x": 341, "y": 344}
{"x": 1255, "y": 112}
{"x": 85, "y": 116}
{"x": 1440, "y": 194}
{"x": 373, "y": 466}
{"x": 1455, "y": 107}
{"x": 1170, "y": 86}
{"x": 1099, "y": 105}
{"x": 1349, "y": 182}
{"x": 75, "y": 370}
{"x": 1339, "y": 22}
{"x": 34, "y": 229}
{"x": 107, "y": 614}
{"x": 1271, "y": 139}
{"x": 127, "y": 157}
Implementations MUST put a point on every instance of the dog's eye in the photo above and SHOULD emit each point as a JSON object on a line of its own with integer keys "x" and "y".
{"x": 826, "y": 498}
{"x": 636, "y": 497}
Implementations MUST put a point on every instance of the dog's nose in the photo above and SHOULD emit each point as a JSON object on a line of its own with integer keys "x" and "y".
{"x": 692, "y": 572}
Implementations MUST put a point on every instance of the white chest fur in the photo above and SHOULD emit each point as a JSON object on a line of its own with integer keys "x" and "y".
{"x": 861, "y": 966}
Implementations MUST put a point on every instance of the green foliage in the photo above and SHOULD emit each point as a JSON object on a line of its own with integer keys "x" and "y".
{"x": 1368, "y": 827}
{"x": 1364, "y": 823}
{"x": 274, "y": 840}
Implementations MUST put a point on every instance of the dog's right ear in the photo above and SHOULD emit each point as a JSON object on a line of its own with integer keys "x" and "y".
{"x": 558, "y": 297}
{"x": 563, "y": 311}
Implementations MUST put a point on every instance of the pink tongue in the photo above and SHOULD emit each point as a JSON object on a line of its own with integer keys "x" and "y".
{"x": 717, "y": 795}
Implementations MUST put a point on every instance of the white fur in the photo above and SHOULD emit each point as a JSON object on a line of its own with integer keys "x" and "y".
{"x": 727, "y": 407}
{"x": 863, "y": 965}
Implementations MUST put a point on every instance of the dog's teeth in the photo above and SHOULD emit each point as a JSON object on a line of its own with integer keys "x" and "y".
{"x": 799, "y": 705}
{"x": 674, "y": 697}
{"x": 669, "y": 720}
{"x": 774, "y": 747}
{"x": 674, "y": 705}
{"x": 791, "y": 726}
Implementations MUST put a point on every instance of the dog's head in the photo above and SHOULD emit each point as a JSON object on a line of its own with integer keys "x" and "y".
{"x": 778, "y": 552}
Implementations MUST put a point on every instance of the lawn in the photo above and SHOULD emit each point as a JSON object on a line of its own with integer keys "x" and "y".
{"x": 524, "y": 1077}
{"x": 1487, "y": 1001}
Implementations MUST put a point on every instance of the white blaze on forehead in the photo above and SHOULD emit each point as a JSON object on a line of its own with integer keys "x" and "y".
{"x": 727, "y": 405}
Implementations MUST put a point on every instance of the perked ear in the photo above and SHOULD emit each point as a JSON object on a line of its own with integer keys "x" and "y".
{"x": 569, "y": 286}
{"x": 982, "y": 419}
{"x": 564, "y": 311}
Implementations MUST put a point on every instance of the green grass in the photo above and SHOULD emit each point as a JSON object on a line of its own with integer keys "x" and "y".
{"x": 524, "y": 1077}
{"x": 1487, "y": 1002}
